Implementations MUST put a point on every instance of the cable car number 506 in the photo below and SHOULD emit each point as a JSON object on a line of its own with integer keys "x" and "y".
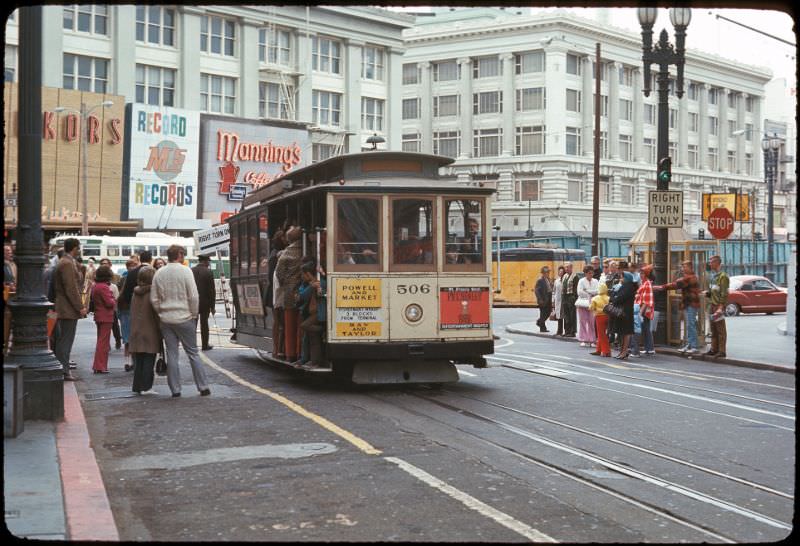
{"x": 413, "y": 289}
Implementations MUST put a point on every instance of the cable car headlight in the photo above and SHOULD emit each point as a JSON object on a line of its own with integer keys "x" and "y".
{"x": 413, "y": 313}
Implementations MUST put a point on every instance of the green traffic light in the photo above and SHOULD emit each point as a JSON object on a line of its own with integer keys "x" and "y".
{"x": 664, "y": 176}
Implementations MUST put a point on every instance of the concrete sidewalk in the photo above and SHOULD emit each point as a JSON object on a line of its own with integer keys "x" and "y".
{"x": 753, "y": 341}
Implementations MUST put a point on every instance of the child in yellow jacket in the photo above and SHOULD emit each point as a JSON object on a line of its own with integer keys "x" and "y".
{"x": 601, "y": 320}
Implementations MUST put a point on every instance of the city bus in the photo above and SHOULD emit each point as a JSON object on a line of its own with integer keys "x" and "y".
{"x": 118, "y": 248}
{"x": 405, "y": 256}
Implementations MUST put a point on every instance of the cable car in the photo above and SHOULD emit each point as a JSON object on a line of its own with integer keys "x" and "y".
{"x": 405, "y": 258}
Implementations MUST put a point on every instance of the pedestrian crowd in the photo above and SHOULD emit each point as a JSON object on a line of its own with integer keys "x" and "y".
{"x": 148, "y": 309}
{"x": 613, "y": 306}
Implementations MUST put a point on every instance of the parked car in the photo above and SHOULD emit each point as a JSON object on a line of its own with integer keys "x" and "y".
{"x": 753, "y": 294}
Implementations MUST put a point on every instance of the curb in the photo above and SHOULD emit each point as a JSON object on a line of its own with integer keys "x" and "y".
{"x": 87, "y": 510}
{"x": 670, "y": 351}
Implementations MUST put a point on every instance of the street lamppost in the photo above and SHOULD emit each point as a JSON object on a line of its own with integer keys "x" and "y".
{"x": 529, "y": 232}
{"x": 663, "y": 55}
{"x": 771, "y": 146}
{"x": 84, "y": 114}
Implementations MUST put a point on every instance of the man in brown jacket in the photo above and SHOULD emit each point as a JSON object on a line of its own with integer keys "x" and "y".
{"x": 287, "y": 271}
{"x": 69, "y": 304}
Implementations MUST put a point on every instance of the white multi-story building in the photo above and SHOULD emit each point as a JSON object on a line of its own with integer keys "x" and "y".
{"x": 334, "y": 68}
{"x": 511, "y": 96}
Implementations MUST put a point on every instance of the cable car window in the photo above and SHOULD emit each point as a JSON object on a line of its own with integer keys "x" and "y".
{"x": 233, "y": 229}
{"x": 263, "y": 243}
{"x": 112, "y": 250}
{"x": 138, "y": 249}
{"x": 464, "y": 241}
{"x": 90, "y": 251}
{"x": 252, "y": 239}
{"x": 412, "y": 231}
{"x": 126, "y": 251}
{"x": 358, "y": 233}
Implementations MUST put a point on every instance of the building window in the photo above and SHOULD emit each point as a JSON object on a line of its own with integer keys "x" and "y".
{"x": 528, "y": 190}
{"x": 217, "y": 35}
{"x": 486, "y": 67}
{"x": 650, "y": 114}
{"x": 155, "y": 85}
{"x": 274, "y": 46}
{"x": 650, "y": 150}
{"x": 625, "y": 109}
{"x": 713, "y": 159}
{"x": 731, "y": 161}
{"x": 673, "y": 148}
{"x": 326, "y": 108}
{"x": 691, "y": 91}
{"x": 490, "y": 102}
{"x": 604, "y": 144}
{"x": 692, "y": 156}
{"x": 529, "y": 62}
{"x": 713, "y": 125}
{"x": 531, "y": 98}
{"x": 447, "y": 143}
{"x": 573, "y": 141}
{"x": 371, "y": 114}
{"x": 326, "y": 55}
{"x": 628, "y": 193}
{"x": 573, "y": 64}
{"x": 91, "y": 18}
{"x": 412, "y": 142}
{"x": 446, "y": 105}
{"x": 626, "y": 76}
{"x": 411, "y": 73}
{"x": 85, "y": 73}
{"x": 155, "y": 25}
{"x": 748, "y": 103}
{"x": 693, "y": 121}
{"x": 411, "y": 108}
{"x": 573, "y": 100}
{"x": 530, "y": 140}
{"x": 673, "y": 118}
{"x": 321, "y": 152}
{"x": 605, "y": 190}
{"x": 217, "y": 94}
{"x": 748, "y": 132}
{"x": 486, "y": 142}
{"x": 712, "y": 95}
{"x": 575, "y": 187}
{"x": 372, "y": 63}
{"x": 273, "y": 101}
{"x": 446, "y": 71}
{"x": 731, "y": 127}
{"x": 625, "y": 148}
{"x": 748, "y": 164}
{"x": 731, "y": 100}
{"x": 604, "y": 106}
{"x": 603, "y": 70}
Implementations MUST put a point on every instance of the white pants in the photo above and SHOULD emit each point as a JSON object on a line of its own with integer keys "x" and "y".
{"x": 586, "y": 325}
{"x": 186, "y": 333}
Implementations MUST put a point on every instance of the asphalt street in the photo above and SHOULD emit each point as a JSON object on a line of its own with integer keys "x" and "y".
{"x": 547, "y": 443}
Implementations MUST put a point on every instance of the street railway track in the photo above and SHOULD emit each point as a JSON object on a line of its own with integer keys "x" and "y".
{"x": 624, "y": 468}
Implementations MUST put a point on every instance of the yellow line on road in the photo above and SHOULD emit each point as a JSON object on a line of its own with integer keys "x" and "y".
{"x": 297, "y": 408}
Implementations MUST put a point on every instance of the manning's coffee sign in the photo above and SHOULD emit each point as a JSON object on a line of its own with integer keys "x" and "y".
{"x": 163, "y": 166}
{"x": 240, "y": 156}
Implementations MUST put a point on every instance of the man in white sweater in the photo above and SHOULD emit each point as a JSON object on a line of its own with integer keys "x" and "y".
{"x": 175, "y": 299}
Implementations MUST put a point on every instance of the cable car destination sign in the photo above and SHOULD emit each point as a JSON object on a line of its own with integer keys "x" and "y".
{"x": 664, "y": 209}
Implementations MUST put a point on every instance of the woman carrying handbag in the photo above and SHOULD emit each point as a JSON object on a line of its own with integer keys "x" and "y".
{"x": 587, "y": 289}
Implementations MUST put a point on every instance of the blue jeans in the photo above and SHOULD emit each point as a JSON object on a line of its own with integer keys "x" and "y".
{"x": 647, "y": 335}
{"x": 691, "y": 326}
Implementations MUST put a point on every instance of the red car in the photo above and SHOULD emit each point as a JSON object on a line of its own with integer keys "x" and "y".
{"x": 753, "y": 294}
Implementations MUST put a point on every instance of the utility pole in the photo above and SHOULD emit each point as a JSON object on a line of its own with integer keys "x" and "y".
{"x": 596, "y": 191}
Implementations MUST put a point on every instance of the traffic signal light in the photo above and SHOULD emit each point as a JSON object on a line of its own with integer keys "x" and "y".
{"x": 665, "y": 170}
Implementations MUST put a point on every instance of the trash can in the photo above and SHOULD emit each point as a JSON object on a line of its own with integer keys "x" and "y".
{"x": 13, "y": 423}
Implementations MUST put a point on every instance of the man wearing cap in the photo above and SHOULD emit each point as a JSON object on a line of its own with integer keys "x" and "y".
{"x": 544, "y": 293}
{"x": 717, "y": 293}
{"x": 207, "y": 295}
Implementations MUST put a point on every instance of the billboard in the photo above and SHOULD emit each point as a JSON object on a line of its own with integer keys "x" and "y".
{"x": 163, "y": 167}
{"x": 239, "y": 156}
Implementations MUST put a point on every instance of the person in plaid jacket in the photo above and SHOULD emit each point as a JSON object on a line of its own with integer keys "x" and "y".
{"x": 644, "y": 298}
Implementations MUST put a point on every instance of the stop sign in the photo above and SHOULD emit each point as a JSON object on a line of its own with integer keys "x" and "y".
{"x": 720, "y": 223}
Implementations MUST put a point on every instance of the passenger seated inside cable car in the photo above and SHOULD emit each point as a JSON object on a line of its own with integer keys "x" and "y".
{"x": 358, "y": 227}
{"x": 413, "y": 231}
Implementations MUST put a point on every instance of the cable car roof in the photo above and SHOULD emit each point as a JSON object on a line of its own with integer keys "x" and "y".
{"x": 363, "y": 169}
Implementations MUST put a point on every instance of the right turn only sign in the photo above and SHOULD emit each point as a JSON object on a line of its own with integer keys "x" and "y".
{"x": 664, "y": 209}
{"x": 720, "y": 223}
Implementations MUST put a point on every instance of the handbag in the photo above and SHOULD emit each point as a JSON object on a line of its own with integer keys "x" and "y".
{"x": 582, "y": 303}
{"x": 614, "y": 311}
{"x": 161, "y": 364}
